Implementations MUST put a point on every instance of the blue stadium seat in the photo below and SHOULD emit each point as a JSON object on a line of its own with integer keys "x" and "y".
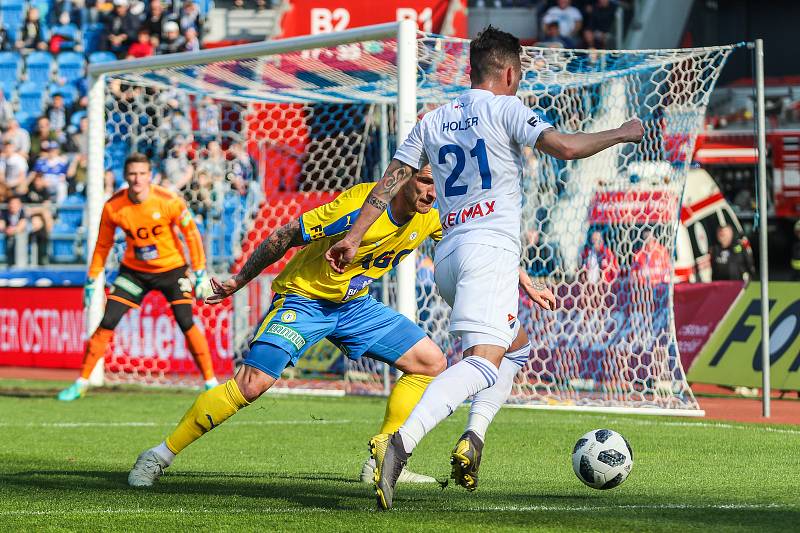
{"x": 205, "y": 6}
{"x": 68, "y": 31}
{"x": 102, "y": 57}
{"x": 10, "y": 65}
{"x": 75, "y": 120}
{"x": 31, "y": 98}
{"x": 92, "y": 38}
{"x": 62, "y": 241}
{"x": 2, "y": 247}
{"x": 26, "y": 120}
{"x": 12, "y": 13}
{"x": 70, "y": 212}
{"x": 39, "y": 66}
{"x": 70, "y": 66}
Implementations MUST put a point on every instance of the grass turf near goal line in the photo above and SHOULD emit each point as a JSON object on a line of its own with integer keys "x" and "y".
{"x": 290, "y": 463}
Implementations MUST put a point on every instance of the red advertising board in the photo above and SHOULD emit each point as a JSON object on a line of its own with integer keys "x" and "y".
{"x": 325, "y": 16}
{"x": 44, "y": 327}
{"x": 699, "y": 308}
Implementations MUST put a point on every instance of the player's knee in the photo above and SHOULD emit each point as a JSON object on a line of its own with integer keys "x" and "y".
{"x": 252, "y": 382}
{"x": 183, "y": 316}
{"x": 424, "y": 358}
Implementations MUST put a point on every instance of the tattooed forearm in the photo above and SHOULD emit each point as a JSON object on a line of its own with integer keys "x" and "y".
{"x": 270, "y": 250}
{"x": 380, "y": 205}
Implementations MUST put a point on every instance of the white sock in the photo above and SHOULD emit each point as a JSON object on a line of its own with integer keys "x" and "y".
{"x": 444, "y": 394}
{"x": 212, "y": 382}
{"x": 82, "y": 382}
{"x": 487, "y": 402}
{"x": 165, "y": 453}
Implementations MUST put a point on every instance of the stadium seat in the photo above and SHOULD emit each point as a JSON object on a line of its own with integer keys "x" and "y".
{"x": 102, "y": 57}
{"x": 92, "y": 38}
{"x": 12, "y": 13}
{"x": 70, "y": 66}
{"x": 62, "y": 241}
{"x": 70, "y": 32}
{"x": 26, "y": 120}
{"x": 2, "y": 247}
{"x": 10, "y": 65}
{"x": 39, "y": 66}
{"x": 75, "y": 120}
{"x": 31, "y": 98}
{"x": 70, "y": 212}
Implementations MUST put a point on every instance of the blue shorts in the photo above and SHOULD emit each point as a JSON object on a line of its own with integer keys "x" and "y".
{"x": 362, "y": 326}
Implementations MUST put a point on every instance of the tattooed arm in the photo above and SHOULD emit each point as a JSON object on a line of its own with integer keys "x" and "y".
{"x": 396, "y": 175}
{"x": 271, "y": 249}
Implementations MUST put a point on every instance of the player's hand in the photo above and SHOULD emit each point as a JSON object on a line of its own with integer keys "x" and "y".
{"x": 341, "y": 254}
{"x": 541, "y": 295}
{"x": 222, "y": 290}
{"x": 632, "y": 131}
{"x": 202, "y": 285}
{"x": 88, "y": 292}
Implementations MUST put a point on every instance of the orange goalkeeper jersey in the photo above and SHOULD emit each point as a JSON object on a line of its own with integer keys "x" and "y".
{"x": 152, "y": 243}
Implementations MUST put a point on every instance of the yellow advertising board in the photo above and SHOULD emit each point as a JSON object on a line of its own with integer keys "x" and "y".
{"x": 732, "y": 356}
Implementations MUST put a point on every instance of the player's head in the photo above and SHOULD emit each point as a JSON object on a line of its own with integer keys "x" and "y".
{"x": 419, "y": 193}
{"x": 725, "y": 235}
{"x": 138, "y": 173}
{"x": 494, "y": 60}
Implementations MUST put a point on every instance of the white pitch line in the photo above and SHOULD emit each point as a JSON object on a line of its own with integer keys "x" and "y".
{"x": 70, "y": 425}
{"x": 403, "y": 509}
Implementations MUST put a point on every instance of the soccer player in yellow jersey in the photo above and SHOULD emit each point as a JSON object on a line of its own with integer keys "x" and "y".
{"x": 311, "y": 302}
{"x": 149, "y": 215}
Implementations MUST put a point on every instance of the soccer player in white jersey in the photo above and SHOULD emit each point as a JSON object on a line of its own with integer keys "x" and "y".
{"x": 474, "y": 145}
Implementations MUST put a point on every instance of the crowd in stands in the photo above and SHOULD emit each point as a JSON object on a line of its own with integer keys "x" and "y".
{"x": 569, "y": 23}
{"x": 45, "y": 46}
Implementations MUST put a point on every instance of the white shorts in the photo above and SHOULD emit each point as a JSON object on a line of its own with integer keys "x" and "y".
{"x": 480, "y": 284}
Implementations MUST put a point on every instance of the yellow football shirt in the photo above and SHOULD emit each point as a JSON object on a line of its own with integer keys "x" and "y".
{"x": 386, "y": 243}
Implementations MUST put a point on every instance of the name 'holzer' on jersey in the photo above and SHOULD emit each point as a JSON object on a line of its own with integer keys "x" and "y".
{"x": 462, "y": 125}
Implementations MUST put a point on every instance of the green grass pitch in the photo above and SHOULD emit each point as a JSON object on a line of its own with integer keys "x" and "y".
{"x": 291, "y": 463}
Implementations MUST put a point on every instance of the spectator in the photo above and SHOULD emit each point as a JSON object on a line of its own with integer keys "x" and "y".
{"x": 13, "y": 167}
{"x": 53, "y": 166}
{"x": 58, "y": 114}
{"x": 38, "y": 210}
{"x": 214, "y": 162}
{"x": 176, "y": 123}
{"x": 568, "y": 17}
{"x": 599, "y": 23}
{"x": 190, "y": 17}
{"x": 77, "y": 174}
{"x": 651, "y": 264}
{"x": 5, "y": 40}
{"x": 155, "y": 20}
{"x": 78, "y": 142}
{"x": 192, "y": 42}
{"x": 199, "y": 195}
{"x": 143, "y": 47}
{"x": 208, "y": 120}
{"x": 731, "y": 259}
{"x": 243, "y": 168}
{"x": 19, "y": 137}
{"x": 109, "y": 184}
{"x": 43, "y": 133}
{"x": 178, "y": 170}
{"x": 62, "y": 36}
{"x": 598, "y": 262}
{"x": 30, "y": 35}
{"x": 6, "y": 111}
{"x": 553, "y": 38}
{"x": 121, "y": 27}
{"x": 13, "y": 223}
{"x": 172, "y": 40}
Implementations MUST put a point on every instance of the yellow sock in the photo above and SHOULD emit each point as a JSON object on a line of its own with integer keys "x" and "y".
{"x": 209, "y": 410}
{"x": 404, "y": 397}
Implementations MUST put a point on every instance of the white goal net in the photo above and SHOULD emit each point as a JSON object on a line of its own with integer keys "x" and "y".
{"x": 253, "y": 136}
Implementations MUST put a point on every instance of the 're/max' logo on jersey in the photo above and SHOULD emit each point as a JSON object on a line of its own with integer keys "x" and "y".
{"x": 460, "y": 125}
{"x": 465, "y": 214}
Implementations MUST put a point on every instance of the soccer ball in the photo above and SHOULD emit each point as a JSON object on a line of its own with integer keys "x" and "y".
{"x": 602, "y": 459}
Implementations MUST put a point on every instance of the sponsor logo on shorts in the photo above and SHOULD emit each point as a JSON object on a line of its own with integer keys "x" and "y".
{"x": 288, "y": 316}
{"x": 285, "y": 332}
{"x": 357, "y": 284}
{"x": 128, "y": 286}
{"x": 465, "y": 214}
{"x": 511, "y": 320}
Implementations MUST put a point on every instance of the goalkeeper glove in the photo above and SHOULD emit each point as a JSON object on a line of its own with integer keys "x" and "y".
{"x": 202, "y": 285}
{"x": 88, "y": 292}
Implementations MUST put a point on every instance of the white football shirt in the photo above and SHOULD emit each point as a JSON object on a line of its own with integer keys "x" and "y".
{"x": 474, "y": 145}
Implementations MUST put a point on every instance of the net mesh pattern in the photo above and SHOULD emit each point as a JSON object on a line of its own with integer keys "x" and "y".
{"x": 270, "y": 137}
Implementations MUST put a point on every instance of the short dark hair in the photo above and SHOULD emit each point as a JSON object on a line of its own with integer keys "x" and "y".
{"x": 491, "y": 51}
{"x": 137, "y": 157}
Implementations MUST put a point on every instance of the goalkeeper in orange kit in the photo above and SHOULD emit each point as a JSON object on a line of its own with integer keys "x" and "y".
{"x": 150, "y": 216}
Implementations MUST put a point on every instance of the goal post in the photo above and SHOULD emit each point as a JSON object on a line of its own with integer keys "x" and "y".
{"x": 311, "y": 116}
